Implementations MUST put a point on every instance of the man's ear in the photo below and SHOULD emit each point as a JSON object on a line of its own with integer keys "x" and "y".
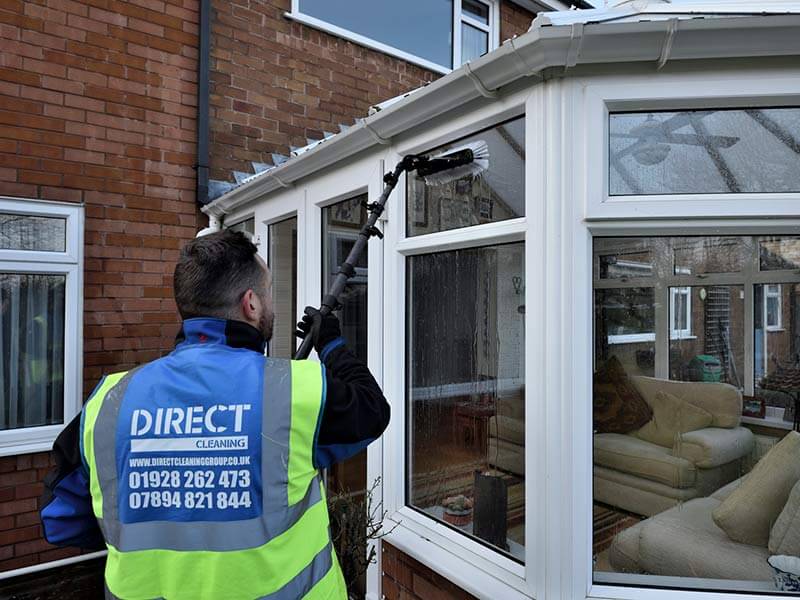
{"x": 250, "y": 306}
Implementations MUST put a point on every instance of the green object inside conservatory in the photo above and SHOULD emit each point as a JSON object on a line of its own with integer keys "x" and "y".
{"x": 705, "y": 367}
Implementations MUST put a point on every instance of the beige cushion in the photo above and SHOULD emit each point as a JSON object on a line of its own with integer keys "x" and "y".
{"x": 507, "y": 456}
{"x": 671, "y": 417}
{"x": 637, "y": 457}
{"x": 685, "y": 542}
{"x": 714, "y": 446}
{"x": 507, "y": 428}
{"x": 751, "y": 509}
{"x": 785, "y": 535}
{"x": 723, "y": 401}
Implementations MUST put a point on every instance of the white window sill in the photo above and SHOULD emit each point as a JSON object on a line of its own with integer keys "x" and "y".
{"x": 768, "y": 422}
{"x": 364, "y": 41}
{"x": 775, "y": 329}
{"x": 28, "y": 440}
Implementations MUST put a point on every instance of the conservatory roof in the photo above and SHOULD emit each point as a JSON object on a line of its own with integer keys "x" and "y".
{"x": 627, "y": 31}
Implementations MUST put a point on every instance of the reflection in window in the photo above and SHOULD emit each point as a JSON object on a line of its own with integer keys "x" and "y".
{"x": 248, "y": 227}
{"x": 466, "y": 391}
{"x": 29, "y": 232}
{"x": 672, "y": 503}
{"x": 625, "y": 328}
{"x": 282, "y": 261}
{"x": 703, "y": 255}
{"x": 423, "y": 28}
{"x": 711, "y": 346}
{"x": 31, "y": 350}
{"x": 705, "y": 151}
{"x": 496, "y": 195}
{"x": 779, "y": 253}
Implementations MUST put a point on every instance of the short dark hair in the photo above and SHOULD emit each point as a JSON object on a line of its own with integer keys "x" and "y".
{"x": 214, "y": 272}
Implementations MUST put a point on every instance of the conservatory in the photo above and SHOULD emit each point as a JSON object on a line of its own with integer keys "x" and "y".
{"x": 592, "y": 350}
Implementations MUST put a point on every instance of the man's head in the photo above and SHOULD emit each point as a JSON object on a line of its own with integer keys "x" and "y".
{"x": 221, "y": 275}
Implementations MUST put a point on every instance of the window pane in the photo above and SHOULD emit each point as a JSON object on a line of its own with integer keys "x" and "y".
{"x": 625, "y": 328}
{"x": 341, "y": 225}
{"x": 496, "y": 195}
{"x": 705, "y": 151}
{"x": 703, "y": 255}
{"x": 477, "y": 10}
{"x": 247, "y": 226}
{"x": 27, "y": 232}
{"x": 466, "y": 384}
{"x": 777, "y": 349}
{"x": 282, "y": 260}
{"x": 623, "y": 258}
{"x": 713, "y": 347}
{"x": 779, "y": 253}
{"x": 474, "y": 42}
{"x": 31, "y": 350}
{"x": 655, "y": 493}
{"x": 423, "y": 28}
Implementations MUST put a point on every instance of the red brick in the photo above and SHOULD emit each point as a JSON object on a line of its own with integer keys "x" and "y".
{"x": 21, "y": 534}
{"x": 17, "y": 506}
{"x": 32, "y": 547}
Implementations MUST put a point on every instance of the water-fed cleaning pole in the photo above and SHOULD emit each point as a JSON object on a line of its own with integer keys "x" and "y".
{"x": 428, "y": 168}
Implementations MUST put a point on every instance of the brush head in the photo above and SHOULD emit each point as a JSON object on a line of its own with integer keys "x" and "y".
{"x": 470, "y": 160}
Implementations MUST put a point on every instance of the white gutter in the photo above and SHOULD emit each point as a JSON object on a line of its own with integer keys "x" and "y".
{"x": 543, "y": 47}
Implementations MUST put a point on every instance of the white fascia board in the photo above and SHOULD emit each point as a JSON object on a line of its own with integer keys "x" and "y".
{"x": 543, "y": 47}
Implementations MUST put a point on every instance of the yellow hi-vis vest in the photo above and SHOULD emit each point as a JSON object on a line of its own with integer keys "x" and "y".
{"x": 283, "y": 553}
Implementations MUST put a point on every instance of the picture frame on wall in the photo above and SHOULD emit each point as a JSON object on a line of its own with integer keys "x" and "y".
{"x": 350, "y": 214}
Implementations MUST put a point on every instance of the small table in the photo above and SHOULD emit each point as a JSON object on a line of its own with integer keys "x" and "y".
{"x": 471, "y": 420}
{"x": 786, "y": 380}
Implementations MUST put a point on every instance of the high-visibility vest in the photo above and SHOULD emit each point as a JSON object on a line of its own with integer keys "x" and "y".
{"x": 199, "y": 501}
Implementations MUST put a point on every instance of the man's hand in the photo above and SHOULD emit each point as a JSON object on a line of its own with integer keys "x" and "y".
{"x": 323, "y": 330}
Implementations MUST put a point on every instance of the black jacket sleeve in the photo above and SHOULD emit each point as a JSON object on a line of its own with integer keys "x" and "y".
{"x": 67, "y": 516}
{"x": 355, "y": 411}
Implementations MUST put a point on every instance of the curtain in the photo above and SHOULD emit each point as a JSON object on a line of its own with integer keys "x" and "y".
{"x": 31, "y": 349}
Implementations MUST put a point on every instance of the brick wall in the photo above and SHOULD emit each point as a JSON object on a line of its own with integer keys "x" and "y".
{"x": 514, "y": 20}
{"x": 407, "y": 579}
{"x": 276, "y": 83}
{"x": 98, "y": 105}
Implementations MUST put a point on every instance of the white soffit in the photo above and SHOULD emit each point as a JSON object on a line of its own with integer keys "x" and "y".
{"x": 628, "y": 31}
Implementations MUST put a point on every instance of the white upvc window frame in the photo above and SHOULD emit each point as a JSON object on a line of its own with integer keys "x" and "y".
{"x": 777, "y": 295}
{"x": 68, "y": 263}
{"x": 458, "y": 17}
{"x": 676, "y": 332}
{"x": 489, "y": 573}
{"x": 591, "y": 100}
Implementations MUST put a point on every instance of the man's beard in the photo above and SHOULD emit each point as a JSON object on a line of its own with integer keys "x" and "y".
{"x": 265, "y": 324}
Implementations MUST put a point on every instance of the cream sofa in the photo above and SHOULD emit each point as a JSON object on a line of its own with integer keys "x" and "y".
{"x": 684, "y": 541}
{"x": 506, "y": 448}
{"x": 647, "y": 478}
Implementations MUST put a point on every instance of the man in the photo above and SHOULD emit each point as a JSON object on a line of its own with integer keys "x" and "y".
{"x": 200, "y": 470}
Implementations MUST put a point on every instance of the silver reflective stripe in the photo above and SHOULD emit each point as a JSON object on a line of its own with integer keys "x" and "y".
{"x": 105, "y": 437}
{"x": 218, "y": 536}
{"x": 306, "y": 579}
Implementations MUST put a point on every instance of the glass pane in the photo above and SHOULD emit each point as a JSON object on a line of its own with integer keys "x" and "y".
{"x": 31, "y": 350}
{"x": 477, "y": 10}
{"x": 655, "y": 496}
{"x": 466, "y": 382}
{"x": 423, "y": 28}
{"x": 248, "y": 226}
{"x": 282, "y": 261}
{"x": 705, "y": 152}
{"x": 711, "y": 348}
{"x": 779, "y": 253}
{"x": 777, "y": 351}
{"x": 341, "y": 224}
{"x": 27, "y": 232}
{"x": 625, "y": 328}
{"x": 496, "y": 195}
{"x": 703, "y": 255}
{"x": 623, "y": 258}
{"x": 474, "y": 42}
